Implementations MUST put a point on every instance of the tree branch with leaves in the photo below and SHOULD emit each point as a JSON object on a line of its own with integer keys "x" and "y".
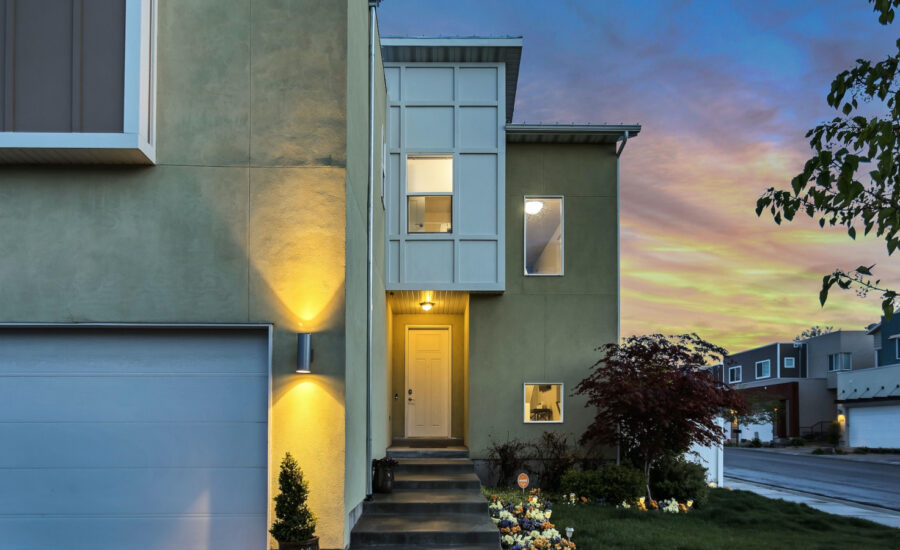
{"x": 833, "y": 187}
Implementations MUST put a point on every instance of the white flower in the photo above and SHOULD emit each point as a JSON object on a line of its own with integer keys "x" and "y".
{"x": 550, "y": 534}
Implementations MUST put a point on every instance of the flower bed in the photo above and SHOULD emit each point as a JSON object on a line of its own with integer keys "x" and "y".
{"x": 526, "y": 526}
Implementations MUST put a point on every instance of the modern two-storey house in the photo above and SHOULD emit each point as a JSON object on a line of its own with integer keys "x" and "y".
{"x": 232, "y": 229}
{"x": 799, "y": 378}
{"x": 869, "y": 399}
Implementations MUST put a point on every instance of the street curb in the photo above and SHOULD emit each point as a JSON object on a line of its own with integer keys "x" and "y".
{"x": 846, "y": 457}
{"x": 864, "y": 505}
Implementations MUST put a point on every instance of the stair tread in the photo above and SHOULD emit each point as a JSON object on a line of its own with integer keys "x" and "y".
{"x": 425, "y": 523}
{"x": 425, "y": 496}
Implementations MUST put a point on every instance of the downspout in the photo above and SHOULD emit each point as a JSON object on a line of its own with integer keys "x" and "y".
{"x": 370, "y": 230}
{"x": 618, "y": 269}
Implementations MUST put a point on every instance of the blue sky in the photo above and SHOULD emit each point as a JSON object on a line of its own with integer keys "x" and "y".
{"x": 725, "y": 92}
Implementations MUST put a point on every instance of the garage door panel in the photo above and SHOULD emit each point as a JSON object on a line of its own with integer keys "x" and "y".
{"x": 877, "y": 426}
{"x": 134, "y": 438}
{"x": 126, "y": 491}
{"x": 132, "y": 399}
{"x": 55, "y": 351}
{"x": 146, "y": 533}
{"x": 111, "y": 445}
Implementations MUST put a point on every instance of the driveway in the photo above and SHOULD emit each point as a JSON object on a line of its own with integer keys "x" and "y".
{"x": 871, "y": 483}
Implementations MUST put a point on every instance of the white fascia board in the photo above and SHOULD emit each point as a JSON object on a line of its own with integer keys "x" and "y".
{"x": 64, "y": 140}
{"x": 478, "y": 42}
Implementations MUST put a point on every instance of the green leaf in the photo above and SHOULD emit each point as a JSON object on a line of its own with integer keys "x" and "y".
{"x": 863, "y": 270}
{"x": 852, "y": 232}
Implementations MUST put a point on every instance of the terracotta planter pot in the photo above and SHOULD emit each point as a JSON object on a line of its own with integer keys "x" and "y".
{"x": 311, "y": 544}
{"x": 384, "y": 479}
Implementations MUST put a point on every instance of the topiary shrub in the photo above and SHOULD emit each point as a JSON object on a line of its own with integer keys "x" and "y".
{"x": 680, "y": 479}
{"x": 295, "y": 521}
{"x": 834, "y": 433}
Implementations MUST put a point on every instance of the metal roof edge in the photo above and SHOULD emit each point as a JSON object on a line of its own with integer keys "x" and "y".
{"x": 605, "y": 129}
{"x": 436, "y": 41}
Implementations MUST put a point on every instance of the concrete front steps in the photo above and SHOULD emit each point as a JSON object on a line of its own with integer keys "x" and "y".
{"x": 436, "y": 505}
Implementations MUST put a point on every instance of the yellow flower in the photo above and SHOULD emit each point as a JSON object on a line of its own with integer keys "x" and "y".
{"x": 690, "y": 503}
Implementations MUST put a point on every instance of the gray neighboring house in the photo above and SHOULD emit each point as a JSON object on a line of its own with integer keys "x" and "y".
{"x": 800, "y": 376}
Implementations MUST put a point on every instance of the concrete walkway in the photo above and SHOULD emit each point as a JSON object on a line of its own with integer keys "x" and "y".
{"x": 825, "y": 504}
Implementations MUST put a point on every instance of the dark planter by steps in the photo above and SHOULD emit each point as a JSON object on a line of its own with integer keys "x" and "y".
{"x": 311, "y": 544}
{"x": 383, "y": 475}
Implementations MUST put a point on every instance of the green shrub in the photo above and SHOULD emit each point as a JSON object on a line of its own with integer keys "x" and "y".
{"x": 834, "y": 433}
{"x": 756, "y": 443}
{"x": 818, "y": 451}
{"x": 611, "y": 483}
{"x": 797, "y": 442}
{"x": 556, "y": 458}
{"x": 294, "y": 520}
{"x": 508, "y": 459}
{"x": 679, "y": 479}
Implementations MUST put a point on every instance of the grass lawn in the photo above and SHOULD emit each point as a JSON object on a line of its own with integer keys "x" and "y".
{"x": 730, "y": 520}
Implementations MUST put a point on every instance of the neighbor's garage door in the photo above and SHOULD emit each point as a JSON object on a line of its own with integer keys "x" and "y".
{"x": 133, "y": 438}
{"x": 874, "y": 426}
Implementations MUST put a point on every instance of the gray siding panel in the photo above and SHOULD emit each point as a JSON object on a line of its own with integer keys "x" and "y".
{"x": 103, "y": 65}
{"x": 62, "y": 65}
{"x": 42, "y": 84}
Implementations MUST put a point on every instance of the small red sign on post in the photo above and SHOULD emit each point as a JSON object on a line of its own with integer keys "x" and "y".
{"x": 522, "y": 480}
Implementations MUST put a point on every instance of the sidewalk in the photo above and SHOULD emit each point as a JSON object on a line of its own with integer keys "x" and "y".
{"x": 825, "y": 504}
{"x": 891, "y": 458}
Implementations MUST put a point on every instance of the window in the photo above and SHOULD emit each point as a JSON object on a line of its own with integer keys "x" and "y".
{"x": 897, "y": 348}
{"x": 763, "y": 369}
{"x": 544, "y": 235}
{"x": 734, "y": 374}
{"x": 543, "y": 403}
{"x": 788, "y": 362}
{"x": 840, "y": 361}
{"x": 429, "y": 190}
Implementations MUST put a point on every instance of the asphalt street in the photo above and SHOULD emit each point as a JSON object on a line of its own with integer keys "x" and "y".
{"x": 872, "y": 483}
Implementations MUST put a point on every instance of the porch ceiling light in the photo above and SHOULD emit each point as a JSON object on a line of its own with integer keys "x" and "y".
{"x": 426, "y": 305}
{"x": 533, "y": 207}
{"x": 304, "y": 353}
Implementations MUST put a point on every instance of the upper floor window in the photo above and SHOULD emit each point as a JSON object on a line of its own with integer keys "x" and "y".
{"x": 897, "y": 348}
{"x": 544, "y": 231}
{"x": 429, "y": 193}
{"x": 764, "y": 369}
{"x": 840, "y": 361}
{"x": 788, "y": 362}
{"x": 734, "y": 374}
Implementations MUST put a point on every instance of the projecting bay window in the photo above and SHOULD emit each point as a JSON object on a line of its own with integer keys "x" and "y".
{"x": 544, "y": 233}
{"x": 429, "y": 193}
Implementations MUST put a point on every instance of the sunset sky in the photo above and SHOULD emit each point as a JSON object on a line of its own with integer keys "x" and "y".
{"x": 725, "y": 92}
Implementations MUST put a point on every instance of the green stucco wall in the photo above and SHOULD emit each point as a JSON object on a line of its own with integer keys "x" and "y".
{"x": 253, "y": 214}
{"x": 545, "y": 329}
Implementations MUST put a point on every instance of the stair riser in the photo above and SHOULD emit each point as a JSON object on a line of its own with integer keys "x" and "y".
{"x": 433, "y": 469}
{"x": 433, "y": 537}
{"x": 426, "y": 508}
{"x": 427, "y": 453}
{"x": 435, "y": 485}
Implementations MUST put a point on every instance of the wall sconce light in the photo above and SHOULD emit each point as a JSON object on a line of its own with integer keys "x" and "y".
{"x": 426, "y": 305}
{"x": 304, "y": 353}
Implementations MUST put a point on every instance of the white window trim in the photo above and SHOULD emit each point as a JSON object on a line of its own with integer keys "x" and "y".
{"x": 756, "y": 369}
{"x": 562, "y": 402}
{"x": 562, "y": 235}
{"x": 793, "y": 363}
{"x": 452, "y": 194}
{"x": 740, "y": 376}
{"x": 139, "y": 101}
{"x": 837, "y": 365}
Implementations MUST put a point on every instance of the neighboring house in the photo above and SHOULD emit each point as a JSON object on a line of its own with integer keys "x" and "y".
{"x": 192, "y": 188}
{"x": 869, "y": 399}
{"x": 797, "y": 379}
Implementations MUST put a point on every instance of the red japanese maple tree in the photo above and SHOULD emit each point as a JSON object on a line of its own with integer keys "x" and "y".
{"x": 654, "y": 399}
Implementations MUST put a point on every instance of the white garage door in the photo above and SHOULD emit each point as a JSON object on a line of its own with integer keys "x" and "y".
{"x": 874, "y": 426}
{"x": 133, "y": 438}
